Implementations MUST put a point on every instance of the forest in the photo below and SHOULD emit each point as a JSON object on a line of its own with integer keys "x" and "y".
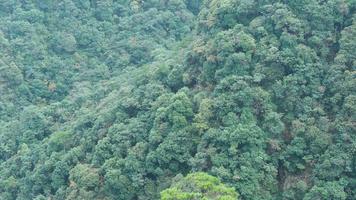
{"x": 177, "y": 99}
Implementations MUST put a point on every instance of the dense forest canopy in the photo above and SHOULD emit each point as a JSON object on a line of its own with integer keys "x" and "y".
{"x": 178, "y": 99}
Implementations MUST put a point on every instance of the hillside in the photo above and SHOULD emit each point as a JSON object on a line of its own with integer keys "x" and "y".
{"x": 177, "y": 99}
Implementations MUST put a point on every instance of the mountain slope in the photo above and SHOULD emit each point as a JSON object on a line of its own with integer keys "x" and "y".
{"x": 113, "y": 99}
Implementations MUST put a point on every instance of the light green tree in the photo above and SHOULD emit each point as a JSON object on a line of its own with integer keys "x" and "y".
{"x": 199, "y": 186}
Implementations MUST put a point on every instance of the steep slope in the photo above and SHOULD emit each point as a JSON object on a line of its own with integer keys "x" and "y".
{"x": 113, "y": 99}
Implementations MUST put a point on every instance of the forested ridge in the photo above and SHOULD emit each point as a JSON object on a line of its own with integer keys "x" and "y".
{"x": 177, "y": 99}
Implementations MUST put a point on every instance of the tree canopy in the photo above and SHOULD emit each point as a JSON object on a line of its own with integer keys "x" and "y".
{"x": 189, "y": 99}
{"x": 199, "y": 186}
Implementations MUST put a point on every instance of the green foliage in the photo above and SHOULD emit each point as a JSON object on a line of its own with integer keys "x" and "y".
{"x": 199, "y": 186}
{"x": 329, "y": 190}
{"x": 59, "y": 140}
{"x": 112, "y": 99}
{"x": 64, "y": 42}
{"x": 83, "y": 176}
